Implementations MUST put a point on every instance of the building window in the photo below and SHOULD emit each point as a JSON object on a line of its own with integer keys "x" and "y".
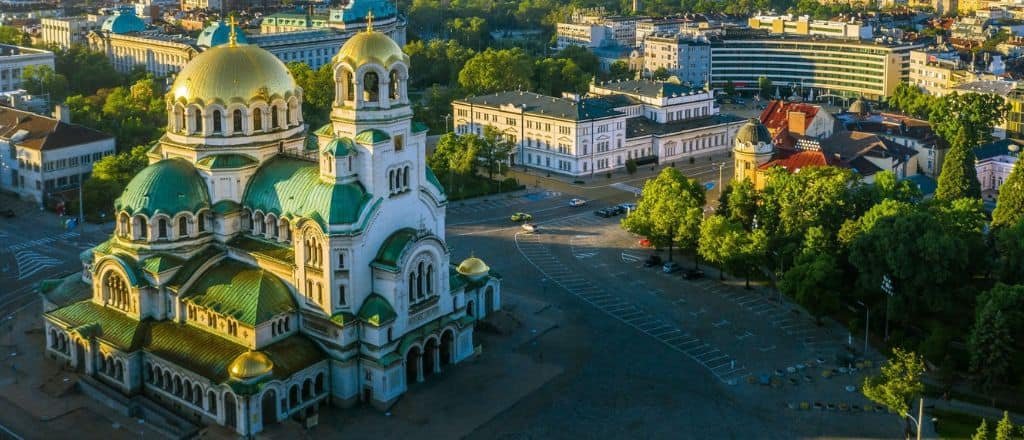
{"x": 161, "y": 228}
{"x": 182, "y": 227}
{"x": 341, "y": 296}
{"x": 341, "y": 260}
{"x": 257, "y": 119}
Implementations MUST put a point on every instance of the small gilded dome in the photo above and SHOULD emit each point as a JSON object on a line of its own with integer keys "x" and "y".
{"x": 753, "y": 132}
{"x": 230, "y": 73}
{"x": 169, "y": 186}
{"x": 371, "y": 47}
{"x": 860, "y": 107}
{"x": 473, "y": 267}
{"x": 250, "y": 365}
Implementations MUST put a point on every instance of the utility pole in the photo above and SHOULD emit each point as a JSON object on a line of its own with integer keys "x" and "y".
{"x": 888, "y": 289}
{"x": 867, "y": 325}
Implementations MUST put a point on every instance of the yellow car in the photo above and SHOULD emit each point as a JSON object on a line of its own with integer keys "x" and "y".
{"x": 521, "y": 217}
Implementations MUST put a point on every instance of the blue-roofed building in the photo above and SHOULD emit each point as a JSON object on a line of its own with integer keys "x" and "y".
{"x": 123, "y": 22}
{"x": 925, "y": 184}
{"x": 218, "y": 33}
{"x": 353, "y": 17}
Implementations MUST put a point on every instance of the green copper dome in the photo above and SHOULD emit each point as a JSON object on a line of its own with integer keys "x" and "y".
{"x": 123, "y": 22}
{"x": 219, "y": 33}
{"x": 166, "y": 187}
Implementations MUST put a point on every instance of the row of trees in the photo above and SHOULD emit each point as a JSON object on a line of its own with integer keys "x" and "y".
{"x": 457, "y": 158}
{"x": 828, "y": 239}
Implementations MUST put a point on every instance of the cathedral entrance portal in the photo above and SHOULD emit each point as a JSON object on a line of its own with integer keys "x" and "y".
{"x": 269, "y": 404}
{"x": 447, "y": 339}
{"x": 430, "y": 358}
{"x": 412, "y": 366}
{"x": 489, "y": 300}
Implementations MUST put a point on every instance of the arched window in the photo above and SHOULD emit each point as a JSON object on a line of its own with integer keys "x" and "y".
{"x": 371, "y": 87}
{"x": 412, "y": 287}
{"x": 405, "y": 178}
{"x": 257, "y": 119}
{"x": 179, "y": 118}
{"x": 273, "y": 117}
{"x": 182, "y": 227}
{"x": 218, "y": 123}
{"x": 288, "y": 115}
{"x": 350, "y": 90}
{"x": 419, "y": 280}
{"x": 161, "y": 228}
{"x": 123, "y": 224}
{"x": 430, "y": 279}
{"x": 391, "y": 180}
{"x": 236, "y": 121}
{"x": 393, "y": 87}
{"x": 198, "y": 121}
{"x": 201, "y": 222}
{"x": 117, "y": 291}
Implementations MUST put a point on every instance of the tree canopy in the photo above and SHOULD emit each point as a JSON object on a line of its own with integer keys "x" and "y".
{"x": 898, "y": 384}
{"x": 959, "y": 177}
{"x": 497, "y": 70}
{"x": 1010, "y": 204}
{"x": 669, "y": 211}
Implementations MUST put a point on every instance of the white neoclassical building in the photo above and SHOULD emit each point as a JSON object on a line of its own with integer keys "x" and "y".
{"x": 254, "y": 275}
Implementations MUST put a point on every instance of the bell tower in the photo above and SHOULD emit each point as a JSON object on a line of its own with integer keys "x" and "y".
{"x": 752, "y": 148}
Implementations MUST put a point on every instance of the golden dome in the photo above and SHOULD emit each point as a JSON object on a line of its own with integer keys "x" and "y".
{"x": 371, "y": 47}
{"x": 473, "y": 267}
{"x": 249, "y": 365}
{"x": 229, "y": 73}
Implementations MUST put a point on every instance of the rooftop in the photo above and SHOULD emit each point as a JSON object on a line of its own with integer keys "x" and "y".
{"x": 640, "y": 126}
{"x": 996, "y": 87}
{"x": 535, "y": 103}
{"x": 39, "y": 132}
{"x": 648, "y": 88}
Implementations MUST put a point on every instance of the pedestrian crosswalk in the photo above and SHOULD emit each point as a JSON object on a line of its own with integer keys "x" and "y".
{"x": 40, "y": 241}
{"x": 723, "y": 366}
{"x": 31, "y": 262}
{"x": 627, "y": 188}
{"x": 500, "y": 201}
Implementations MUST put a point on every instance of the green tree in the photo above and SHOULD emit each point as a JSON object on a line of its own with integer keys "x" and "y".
{"x": 730, "y": 88}
{"x": 41, "y": 79}
{"x": 109, "y": 177}
{"x": 631, "y": 166}
{"x": 909, "y": 99}
{"x": 959, "y": 178}
{"x": 725, "y": 242}
{"x": 967, "y": 118}
{"x": 582, "y": 57}
{"x": 494, "y": 151}
{"x": 553, "y": 76}
{"x": 12, "y": 35}
{"x": 471, "y": 32}
{"x": 620, "y": 70}
{"x": 317, "y": 91}
{"x": 660, "y": 74}
{"x": 1004, "y": 430}
{"x": 814, "y": 283}
{"x": 497, "y": 70}
{"x": 991, "y": 348}
{"x": 87, "y": 71}
{"x": 454, "y": 160}
{"x": 982, "y": 432}
{"x": 1010, "y": 204}
{"x": 669, "y": 212}
{"x": 1009, "y": 243}
{"x": 764, "y": 85}
{"x": 436, "y": 62}
{"x": 742, "y": 203}
{"x": 898, "y": 385}
{"x": 889, "y": 187}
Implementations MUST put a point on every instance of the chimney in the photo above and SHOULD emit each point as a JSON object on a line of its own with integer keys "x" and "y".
{"x": 797, "y": 122}
{"x": 62, "y": 113}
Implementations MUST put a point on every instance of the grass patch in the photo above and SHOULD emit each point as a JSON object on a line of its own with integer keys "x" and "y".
{"x": 467, "y": 187}
{"x": 959, "y": 426}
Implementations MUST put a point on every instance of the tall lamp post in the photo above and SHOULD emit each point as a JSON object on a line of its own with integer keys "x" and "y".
{"x": 446, "y": 119}
{"x": 867, "y": 325}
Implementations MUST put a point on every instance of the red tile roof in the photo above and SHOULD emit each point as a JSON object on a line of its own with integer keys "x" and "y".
{"x": 776, "y": 115}
{"x": 793, "y": 160}
{"x": 43, "y": 133}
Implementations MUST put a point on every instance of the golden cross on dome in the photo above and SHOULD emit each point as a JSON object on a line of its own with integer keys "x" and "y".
{"x": 232, "y": 35}
{"x": 369, "y": 21}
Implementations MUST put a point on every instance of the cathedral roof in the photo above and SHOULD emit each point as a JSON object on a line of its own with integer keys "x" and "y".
{"x": 432, "y": 178}
{"x": 247, "y": 293}
{"x": 123, "y": 22}
{"x": 391, "y": 251}
{"x": 167, "y": 187}
{"x": 67, "y": 290}
{"x": 376, "y": 310}
{"x": 250, "y": 364}
{"x": 233, "y": 73}
{"x": 339, "y": 147}
{"x": 372, "y": 136}
{"x": 105, "y": 323}
{"x": 371, "y": 47}
{"x": 288, "y": 186}
{"x": 226, "y": 161}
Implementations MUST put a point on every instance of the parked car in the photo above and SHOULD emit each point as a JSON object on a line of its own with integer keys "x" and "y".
{"x": 529, "y": 227}
{"x": 616, "y": 210}
{"x": 644, "y": 242}
{"x": 693, "y": 274}
{"x": 577, "y": 202}
{"x": 604, "y": 212}
{"x": 671, "y": 267}
{"x": 739, "y": 101}
{"x": 7, "y": 213}
{"x": 521, "y": 217}
{"x": 653, "y": 260}
{"x": 627, "y": 207}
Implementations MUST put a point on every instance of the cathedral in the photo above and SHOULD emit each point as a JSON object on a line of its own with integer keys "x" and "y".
{"x": 257, "y": 270}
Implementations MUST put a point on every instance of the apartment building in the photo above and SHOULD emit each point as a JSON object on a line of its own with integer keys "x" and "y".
{"x": 65, "y": 32}
{"x": 804, "y": 25}
{"x": 42, "y": 156}
{"x": 14, "y": 60}
{"x": 587, "y": 35}
{"x": 816, "y": 66}
{"x": 645, "y": 121}
{"x": 687, "y": 58}
{"x": 936, "y": 72}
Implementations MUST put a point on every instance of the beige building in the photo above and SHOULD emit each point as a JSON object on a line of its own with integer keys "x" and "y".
{"x": 645, "y": 121}
{"x": 159, "y": 53}
{"x": 64, "y": 32}
{"x": 803, "y": 25}
{"x": 14, "y": 60}
{"x": 42, "y": 156}
{"x": 936, "y": 72}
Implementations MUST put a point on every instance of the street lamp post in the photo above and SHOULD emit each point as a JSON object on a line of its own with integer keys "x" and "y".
{"x": 446, "y": 119}
{"x": 867, "y": 325}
